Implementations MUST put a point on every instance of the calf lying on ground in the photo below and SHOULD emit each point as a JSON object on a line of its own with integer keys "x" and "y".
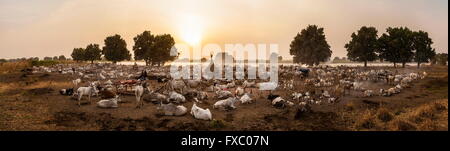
{"x": 109, "y": 103}
{"x": 176, "y": 97}
{"x": 278, "y": 101}
{"x": 155, "y": 98}
{"x": 200, "y": 113}
{"x": 222, "y": 94}
{"x": 67, "y": 92}
{"x": 368, "y": 93}
{"x": 246, "y": 99}
{"x": 172, "y": 109}
{"x": 239, "y": 91}
{"x": 227, "y": 103}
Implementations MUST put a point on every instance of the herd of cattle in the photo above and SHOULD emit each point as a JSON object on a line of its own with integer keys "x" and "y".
{"x": 305, "y": 86}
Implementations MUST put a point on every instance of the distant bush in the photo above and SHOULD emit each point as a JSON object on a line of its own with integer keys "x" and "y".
{"x": 44, "y": 63}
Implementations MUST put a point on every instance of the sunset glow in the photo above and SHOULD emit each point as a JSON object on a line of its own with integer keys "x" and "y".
{"x": 191, "y": 29}
{"x": 55, "y": 27}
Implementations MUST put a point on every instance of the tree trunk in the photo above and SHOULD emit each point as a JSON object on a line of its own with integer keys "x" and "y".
{"x": 395, "y": 65}
{"x": 365, "y": 63}
{"x": 403, "y": 64}
{"x": 92, "y": 61}
{"x": 418, "y": 64}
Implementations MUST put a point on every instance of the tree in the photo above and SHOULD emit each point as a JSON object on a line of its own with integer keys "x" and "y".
{"x": 78, "y": 54}
{"x": 363, "y": 45}
{"x": 48, "y": 58}
{"x": 336, "y": 59}
{"x": 310, "y": 46}
{"x": 397, "y": 45}
{"x": 142, "y": 46}
{"x": 422, "y": 46}
{"x": 115, "y": 49}
{"x": 153, "y": 49}
{"x": 92, "y": 53}
{"x": 280, "y": 58}
{"x": 55, "y": 58}
{"x": 62, "y": 57}
{"x": 161, "y": 49}
{"x": 441, "y": 59}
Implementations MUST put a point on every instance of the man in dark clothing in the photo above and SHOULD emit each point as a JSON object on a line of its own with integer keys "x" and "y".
{"x": 304, "y": 72}
{"x": 143, "y": 75}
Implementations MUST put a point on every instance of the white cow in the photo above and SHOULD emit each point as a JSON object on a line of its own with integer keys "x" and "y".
{"x": 246, "y": 99}
{"x": 139, "y": 92}
{"x": 172, "y": 109}
{"x": 227, "y": 103}
{"x": 89, "y": 91}
{"x": 109, "y": 103}
{"x": 199, "y": 113}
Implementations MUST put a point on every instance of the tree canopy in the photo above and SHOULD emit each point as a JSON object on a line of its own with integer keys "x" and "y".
{"x": 62, "y": 57}
{"x": 115, "y": 49}
{"x": 310, "y": 46}
{"x": 153, "y": 49}
{"x": 397, "y": 45}
{"x": 422, "y": 46}
{"x": 142, "y": 46}
{"x": 78, "y": 54}
{"x": 161, "y": 48}
{"x": 46, "y": 58}
{"x": 441, "y": 59}
{"x": 92, "y": 53}
{"x": 363, "y": 45}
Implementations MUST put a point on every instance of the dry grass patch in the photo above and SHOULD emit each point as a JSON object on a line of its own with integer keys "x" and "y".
{"x": 367, "y": 121}
{"x": 49, "y": 84}
{"x": 401, "y": 125}
{"x": 430, "y": 116}
{"x": 384, "y": 115}
{"x": 350, "y": 106}
{"x": 427, "y": 117}
{"x": 9, "y": 67}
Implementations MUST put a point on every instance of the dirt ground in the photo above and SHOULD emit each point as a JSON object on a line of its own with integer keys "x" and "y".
{"x": 33, "y": 103}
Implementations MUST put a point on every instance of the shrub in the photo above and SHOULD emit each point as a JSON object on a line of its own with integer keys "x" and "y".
{"x": 367, "y": 121}
{"x": 217, "y": 124}
{"x": 402, "y": 125}
{"x": 349, "y": 106}
{"x": 384, "y": 115}
{"x": 44, "y": 63}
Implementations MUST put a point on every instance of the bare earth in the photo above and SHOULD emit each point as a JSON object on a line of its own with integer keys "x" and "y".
{"x": 34, "y": 103}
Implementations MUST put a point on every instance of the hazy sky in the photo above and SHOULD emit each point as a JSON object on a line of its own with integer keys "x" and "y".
{"x": 54, "y": 27}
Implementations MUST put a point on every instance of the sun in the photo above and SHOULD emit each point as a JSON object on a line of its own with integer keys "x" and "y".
{"x": 191, "y": 30}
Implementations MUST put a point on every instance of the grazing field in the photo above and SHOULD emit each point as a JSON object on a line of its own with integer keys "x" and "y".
{"x": 32, "y": 101}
